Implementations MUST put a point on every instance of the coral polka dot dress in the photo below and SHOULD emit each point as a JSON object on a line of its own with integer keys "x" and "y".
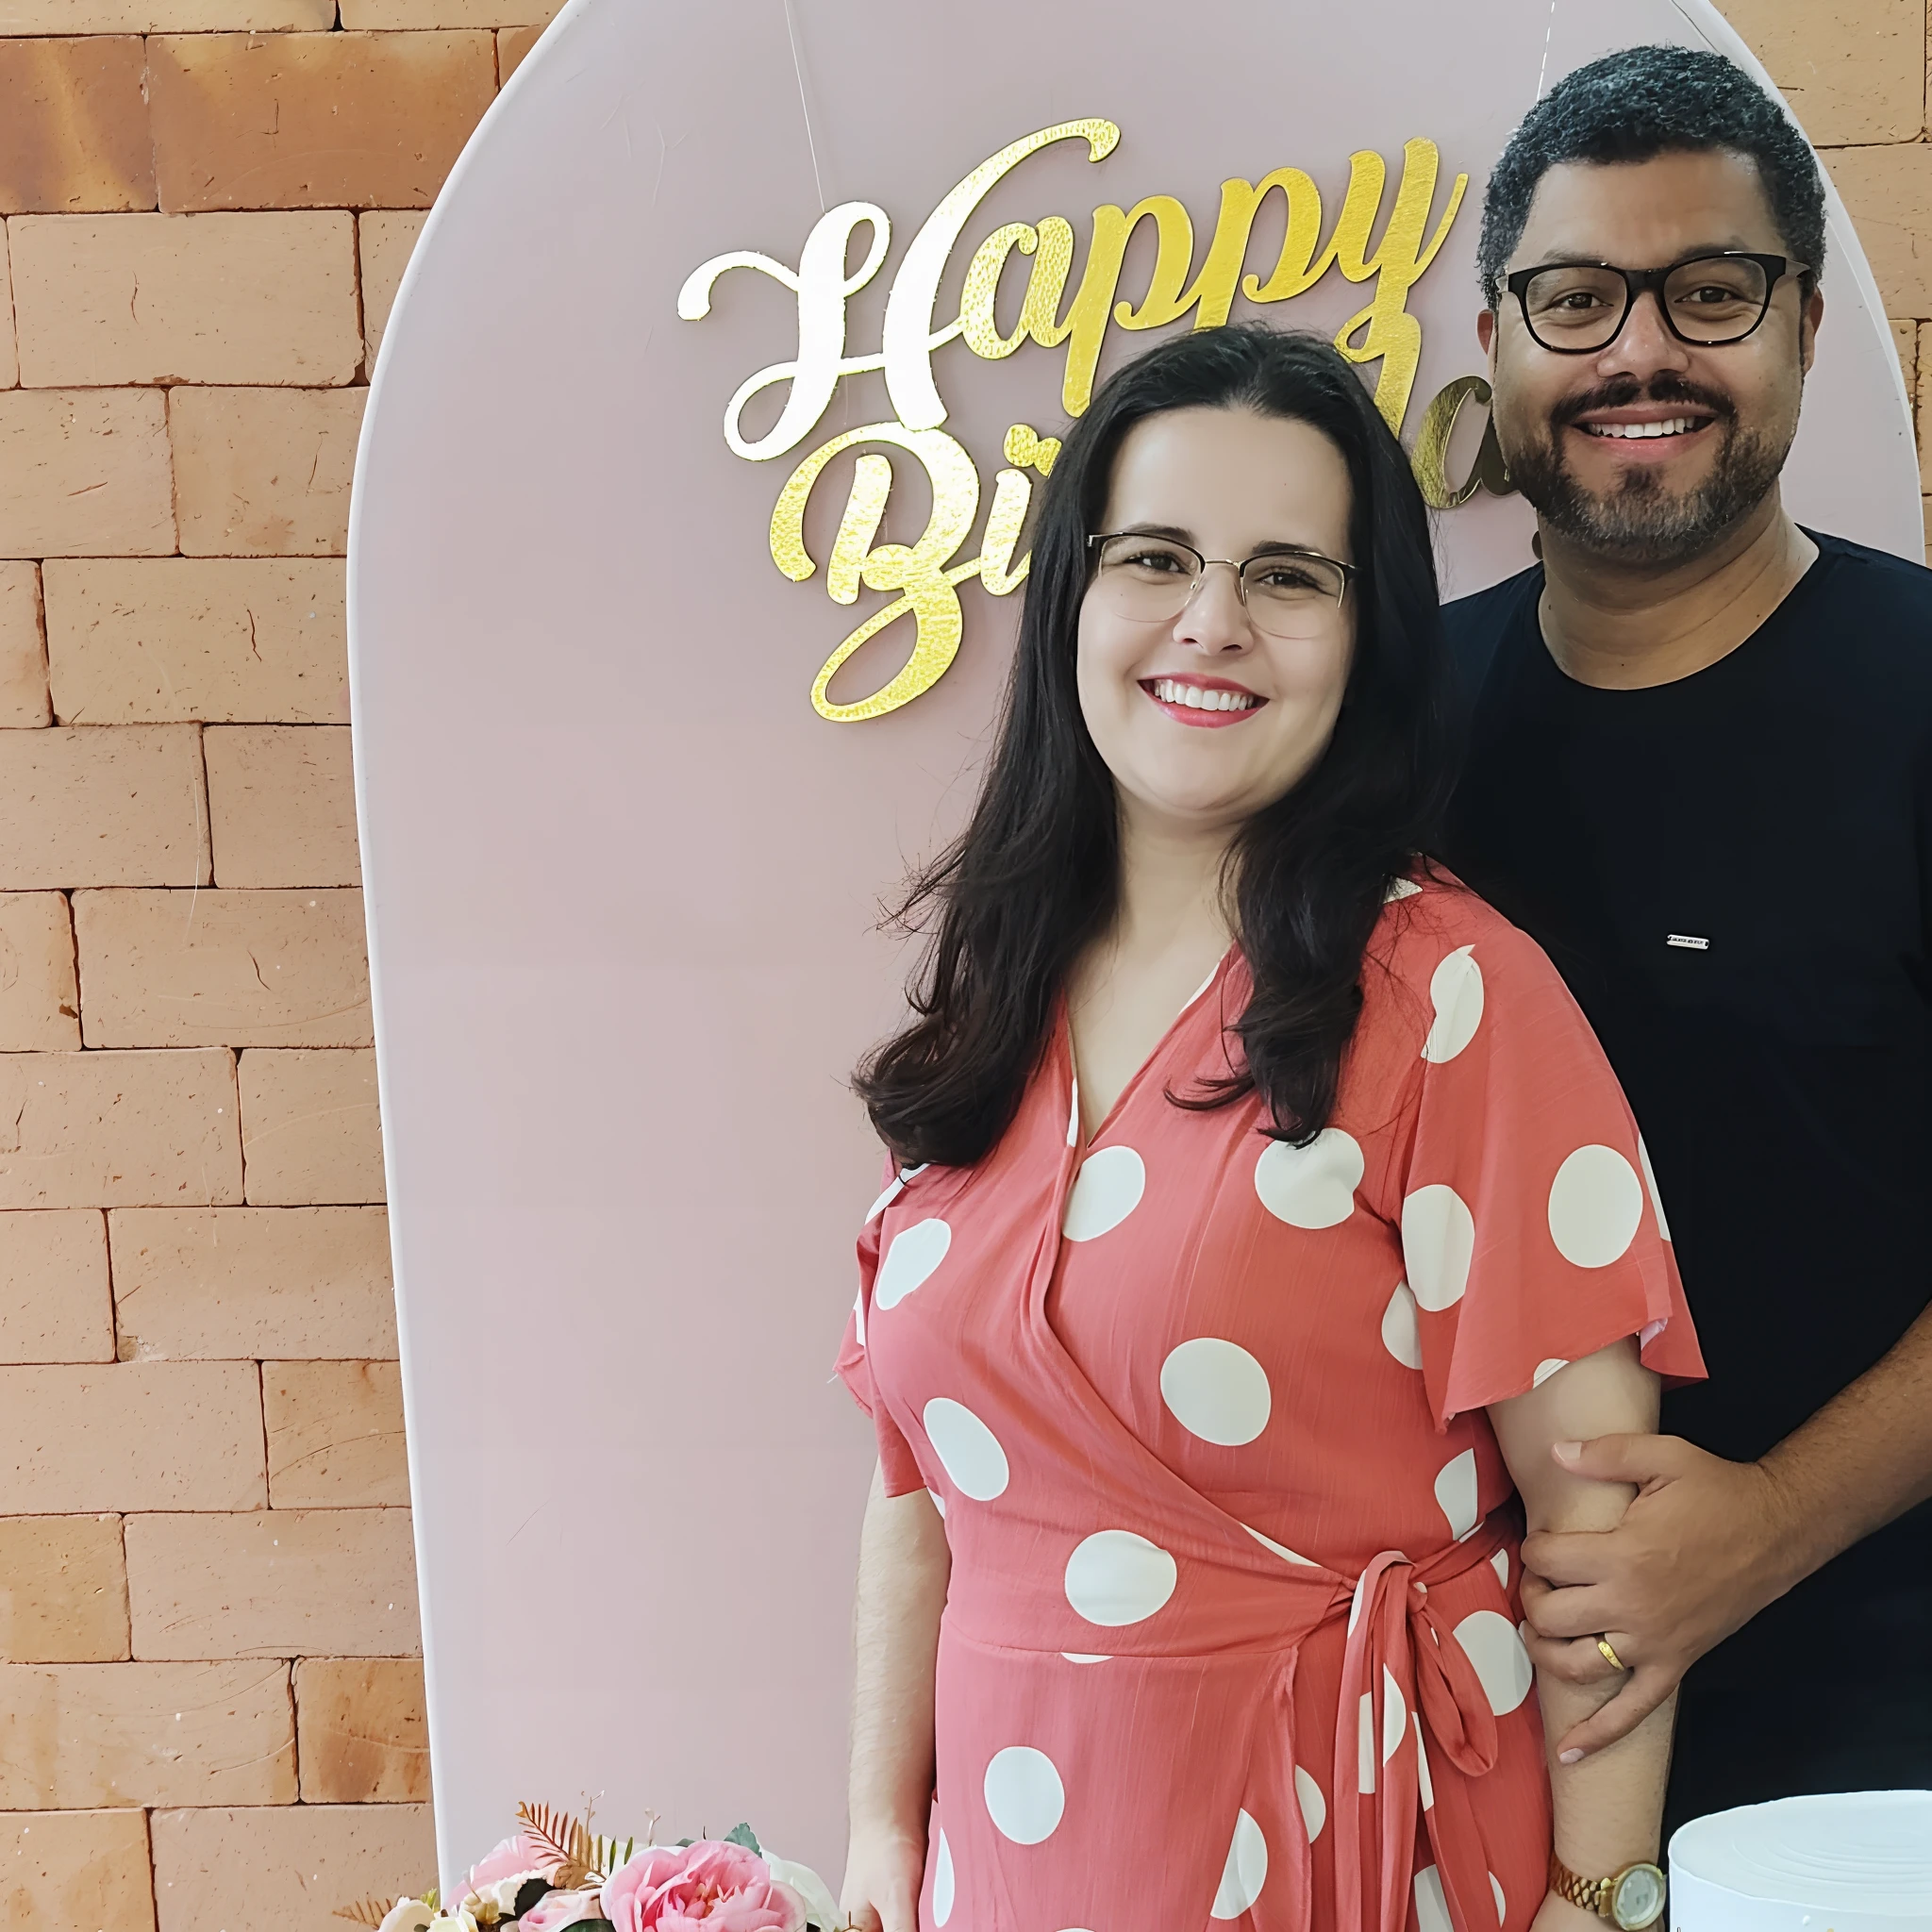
{"x": 1231, "y": 1636}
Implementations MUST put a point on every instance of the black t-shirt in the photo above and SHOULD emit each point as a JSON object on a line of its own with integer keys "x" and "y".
{"x": 1734, "y": 875}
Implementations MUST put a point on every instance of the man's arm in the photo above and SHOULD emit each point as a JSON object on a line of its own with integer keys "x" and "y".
{"x": 1706, "y": 1544}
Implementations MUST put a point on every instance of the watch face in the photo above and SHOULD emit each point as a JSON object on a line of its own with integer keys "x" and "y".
{"x": 1639, "y": 1898}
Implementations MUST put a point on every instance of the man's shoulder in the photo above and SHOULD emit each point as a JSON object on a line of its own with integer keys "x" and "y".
{"x": 1873, "y": 578}
{"x": 1474, "y": 626}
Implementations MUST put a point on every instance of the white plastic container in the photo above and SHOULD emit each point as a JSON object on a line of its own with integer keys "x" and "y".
{"x": 1855, "y": 1861}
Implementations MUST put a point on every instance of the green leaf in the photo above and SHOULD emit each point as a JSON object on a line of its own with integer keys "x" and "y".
{"x": 741, "y": 1834}
{"x": 528, "y": 1893}
{"x": 593, "y": 1925}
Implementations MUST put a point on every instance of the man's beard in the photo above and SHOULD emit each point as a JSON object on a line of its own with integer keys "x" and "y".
{"x": 1641, "y": 520}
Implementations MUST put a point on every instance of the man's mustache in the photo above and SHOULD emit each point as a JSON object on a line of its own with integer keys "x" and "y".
{"x": 1620, "y": 394}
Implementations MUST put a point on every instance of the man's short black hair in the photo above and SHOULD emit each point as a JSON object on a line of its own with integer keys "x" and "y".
{"x": 1635, "y": 106}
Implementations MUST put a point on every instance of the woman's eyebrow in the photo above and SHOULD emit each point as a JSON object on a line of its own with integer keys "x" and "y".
{"x": 1175, "y": 531}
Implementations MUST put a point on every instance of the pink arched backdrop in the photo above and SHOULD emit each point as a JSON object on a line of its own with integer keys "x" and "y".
{"x": 623, "y": 879}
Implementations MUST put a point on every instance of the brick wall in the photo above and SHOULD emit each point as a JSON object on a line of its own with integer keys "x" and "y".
{"x": 210, "y": 1689}
{"x": 210, "y": 1702}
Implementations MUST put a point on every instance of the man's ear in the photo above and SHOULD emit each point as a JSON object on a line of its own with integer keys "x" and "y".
{"x": 1486, "y": 332}
{"x": 1810, "y": 318}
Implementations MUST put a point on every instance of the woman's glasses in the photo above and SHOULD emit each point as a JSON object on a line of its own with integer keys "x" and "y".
{"x": 1577, "y": 307}
{"x": 1287, "y": 593}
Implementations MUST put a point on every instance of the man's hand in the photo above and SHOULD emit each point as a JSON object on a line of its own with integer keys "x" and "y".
{"x": 1703, "y": 1547}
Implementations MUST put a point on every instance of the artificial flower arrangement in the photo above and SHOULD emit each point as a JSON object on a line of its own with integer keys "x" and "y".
{"x": 555, "y": 1872}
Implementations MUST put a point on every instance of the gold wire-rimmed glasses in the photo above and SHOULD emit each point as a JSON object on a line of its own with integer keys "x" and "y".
{"x": 1286, "y": 591}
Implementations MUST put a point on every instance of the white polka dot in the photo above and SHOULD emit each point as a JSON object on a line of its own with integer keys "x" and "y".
{"x": 970, "y": 1451}
{"x": 939, "y": 1502}
{"x": 1657, "y": 1200}
{"x": 1492, "y": 1643}
{"x": 915, "y": 1252}
{"x": 894, "y": 1188}
{"x": 1456, "y": 992}
{"x": 1455, "y": 1493}
{"x": 1281, "y": 1550}
{"x": 943, "y": 1883}
{"x": 1073, "y": 1117}
{"x": 1117, "y": 1577}
{"x": 858, "y": 1316}
{"x": 1355, "y": 1602}
{"x": 1216, "y": 1391}
{"x": 1596, "y": 1202}
{"x": 1086, "y": 1657}
{"x": 1431, "y": 1906}
{"x": 1314, "y": 1806}
{"x": 1365, "y": 1744}
{"x": 1202, "y": 988}
{"x": 1395, "y": 1715}
{"x": 1438, "y": 1243}
{"x": 1424, "y": 1784}
{"x": 1502, "y": 1903}
{"x": 1399, "y": 888}
{"x": 1312, "y": 1185}
{"x": 1107, "y": 1190}
{"x": 1245, "y": 1872}
{"x": 1023, "y": 1794}
{"x": 1500, "y": 1564}
{"x": 1547, "y": 1368}
{"x": 1401, "y": 1332}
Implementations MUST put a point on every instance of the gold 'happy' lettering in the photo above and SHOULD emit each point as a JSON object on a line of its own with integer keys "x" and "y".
{"x": 923, "y": 574}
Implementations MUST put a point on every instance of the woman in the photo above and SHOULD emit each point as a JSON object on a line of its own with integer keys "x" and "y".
{"x": 1266, "y": 1215}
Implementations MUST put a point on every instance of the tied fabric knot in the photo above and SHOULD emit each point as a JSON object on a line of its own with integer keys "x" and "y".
{"x": 1412, "y": 1725}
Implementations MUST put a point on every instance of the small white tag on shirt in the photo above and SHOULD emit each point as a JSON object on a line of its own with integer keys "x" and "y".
{"x": 1689, "y": 940}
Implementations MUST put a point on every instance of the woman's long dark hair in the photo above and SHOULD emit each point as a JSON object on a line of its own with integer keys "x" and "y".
{"x": 1036, "y": 877}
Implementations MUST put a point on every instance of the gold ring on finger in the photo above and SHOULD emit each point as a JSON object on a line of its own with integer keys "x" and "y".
{"x": 1615, "y": 1662}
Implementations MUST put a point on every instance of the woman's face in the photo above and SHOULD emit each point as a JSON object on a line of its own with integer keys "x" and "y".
{"x": 1230, "y": 484}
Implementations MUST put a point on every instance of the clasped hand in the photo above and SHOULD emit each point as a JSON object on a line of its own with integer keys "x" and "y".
{"x": 1702, "y": 1548}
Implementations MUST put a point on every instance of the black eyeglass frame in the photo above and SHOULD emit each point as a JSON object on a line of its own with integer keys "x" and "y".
{"x": 1349, "y": 570}
{"x": 1641, "y": 281}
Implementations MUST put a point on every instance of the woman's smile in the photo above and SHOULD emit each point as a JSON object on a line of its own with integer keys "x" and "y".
{"x": 1211, "y": 702}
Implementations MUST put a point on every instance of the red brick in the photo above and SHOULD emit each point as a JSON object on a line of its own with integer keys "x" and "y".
{"x": 229, "y": 640}
{"x": 310, "y": 1128}
{"x": 230, "y": 1871}
{"x": 55, "y": 1302}
{"x": 281, "y": 805}
{"x": 131, "y": 1436}
{"x": 361, "y": 1731}
{"x": 162, "y": 16}
{"x": 24, "y": 700}
{"x": 85, "y": 473}
{"x": 253, "y": 1282}
{"x": 417, "y": 16}
{"x": 264, "y": 472}
{"x": 77, "y": 1872}
{"x": 334, "y": 120}
{"x": 384, "y": 241}
{"x": 275, "y": 1583}
{"x": 214, "y": 298}
{"x": 88, "y": 808}
{"x": 1851, "y": 71}
{"x": 39, "y": 1009}
{"x": 119, "y": 1129}
{"x": 63, "y": 1593}
{"x": 81, "y": 1735}
{"x": 223, "y": 968}
{"x": 74, "y": 125}
{"x": 335, "y": 1435}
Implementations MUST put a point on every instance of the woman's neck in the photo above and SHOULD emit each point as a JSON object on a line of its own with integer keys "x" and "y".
{"x": 1625, "y": 628}
{"x": 1171, "y": 898}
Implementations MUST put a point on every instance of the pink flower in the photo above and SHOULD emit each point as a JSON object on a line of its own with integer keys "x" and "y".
{"x": 513, "y": 1858}
{"x": 557, "y": 1909}
{"x": 711, "y": 1886}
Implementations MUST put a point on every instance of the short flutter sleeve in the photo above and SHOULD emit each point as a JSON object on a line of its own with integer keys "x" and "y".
{"x": 897, "y": 1464}
{"x": 1531, "y": 1230}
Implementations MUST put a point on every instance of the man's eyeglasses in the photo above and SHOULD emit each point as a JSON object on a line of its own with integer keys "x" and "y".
{"x": 1575, "y": 307}
{"x": 1289, "y": 592}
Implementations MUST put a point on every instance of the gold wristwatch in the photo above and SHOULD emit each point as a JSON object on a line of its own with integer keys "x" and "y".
{"x": 1631, "y": 1899}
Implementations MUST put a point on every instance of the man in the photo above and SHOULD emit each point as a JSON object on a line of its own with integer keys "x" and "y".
{"x": 1700, "y": 772}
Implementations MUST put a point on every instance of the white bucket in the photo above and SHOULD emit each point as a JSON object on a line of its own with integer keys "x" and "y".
{"x": 1855, "y": 1862}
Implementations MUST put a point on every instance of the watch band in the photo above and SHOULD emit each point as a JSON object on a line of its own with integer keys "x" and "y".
{"x": 1592, "y": 1894}
{"x": 1599, "y": 1895}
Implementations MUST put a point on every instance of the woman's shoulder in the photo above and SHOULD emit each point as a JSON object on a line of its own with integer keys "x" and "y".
{"x": 1435, "y": 928}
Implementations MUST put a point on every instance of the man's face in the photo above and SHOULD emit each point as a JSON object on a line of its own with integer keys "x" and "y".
{"x": 1564, "y": 422}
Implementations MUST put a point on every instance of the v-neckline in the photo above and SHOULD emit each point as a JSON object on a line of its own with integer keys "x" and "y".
{"x": 1078, "y": 1139}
